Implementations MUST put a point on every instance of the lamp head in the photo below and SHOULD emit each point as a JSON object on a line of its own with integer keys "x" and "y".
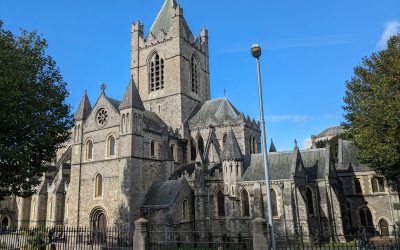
{"x": 256, "y": 50}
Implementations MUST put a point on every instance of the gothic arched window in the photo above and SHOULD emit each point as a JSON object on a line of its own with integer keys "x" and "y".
{"x": 156, "y": 73}
{"x": 220, "y": 203}
{"x": 195, "y": 70}
{"x": 254, "y": 142}
{"x": 192, "y": 150}
{"x": 357, "y": 186}
{"x": 51, "y": 209}
{"x": 173, "y": 152}
{"x": 153, "y": 149}
{"x": 245, "y": 203}
{"x": 378, "y": 184}
{"x": 33, "y": 212}
{"x": 98, "y": 185}
{"x": 310, "y": 201}
{"x": 200, "y": 145}
{"x": 185, "y": 209}
{"x": 122, "y": 123}
{"x": 111, "y": 146}
{"x": 223, "y": 141}
{"x": 274, "y": 202}
{"x": 89, "y": 150}
{"x": 366, "y": 217}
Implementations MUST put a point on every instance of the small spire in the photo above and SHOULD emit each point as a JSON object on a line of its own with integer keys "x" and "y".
{"x": 131, "y": 97}
{"x": 103, "y": 87}
{"x": 231, "y": 149}
{"x": 295, "y": 143}
{"x": 84, "y": 108}
{"x": 272, "y": 147}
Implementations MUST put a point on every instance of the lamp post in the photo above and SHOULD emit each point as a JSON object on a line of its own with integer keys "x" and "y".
{"x": 256, "y": 52}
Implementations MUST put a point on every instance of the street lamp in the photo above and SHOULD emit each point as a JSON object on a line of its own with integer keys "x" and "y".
{"x": 256, "y": 52}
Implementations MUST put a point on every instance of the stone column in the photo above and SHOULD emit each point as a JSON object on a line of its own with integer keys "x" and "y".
{"x": 141, "y": 235}
{"x": 260, "y": 234}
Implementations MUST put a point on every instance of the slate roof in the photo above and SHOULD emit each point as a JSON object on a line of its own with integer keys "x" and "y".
{"x": 84, "y": 108}
{"x": 163, "y": 20}
{"x": 231, "y": 149}
{"x": 163, "y": 194}
{"x": 349, "y": 154}
{"x": 314, "y": 161}
{"x": 332, "y": 131}
{"x": 280, "y": 165}
{"x": 153, "y": 122}
{"x": 131, "y": 97}
{"x": 219, "y": 111}
{"x": 114, "y": 102}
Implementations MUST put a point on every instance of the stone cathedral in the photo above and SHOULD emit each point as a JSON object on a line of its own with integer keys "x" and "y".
{"x": 170, "y": 154}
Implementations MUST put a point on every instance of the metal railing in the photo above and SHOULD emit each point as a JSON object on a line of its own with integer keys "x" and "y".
{"x": 66, "y": 238}
{"x": 173, "y": 239}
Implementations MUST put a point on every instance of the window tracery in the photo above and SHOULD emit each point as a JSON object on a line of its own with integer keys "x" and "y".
{"x": 156, "y": 73}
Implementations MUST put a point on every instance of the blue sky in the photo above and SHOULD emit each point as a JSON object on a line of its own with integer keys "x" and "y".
{"x": 310, "y": 48}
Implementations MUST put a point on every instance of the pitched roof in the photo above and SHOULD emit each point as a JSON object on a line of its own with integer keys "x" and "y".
{"x": 219, "y": 111}
{"x": 163, "y": 194}
{"x": 131, "y": 97}
{"x": 84, "y": 108}
{"x": 114, "y": 102}
{"x": 153, "y": 122}
{"x": 314, "y": 161}
{"x": 272, "y": 147}
{"x": 163, "y": 20}
{"x": 279, "y": 164}
{"x": 349, "y": 158}
{"x": 231, "y": 148}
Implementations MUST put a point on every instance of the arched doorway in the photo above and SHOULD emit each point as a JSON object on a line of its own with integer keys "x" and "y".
{"x": 384, "y": 227}
{"x": 99, "y": 225}
{"x": 5, "y": 222}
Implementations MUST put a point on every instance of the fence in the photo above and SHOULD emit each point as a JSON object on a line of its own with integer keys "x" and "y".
{"x": 122, "y": 238}
{"x": 66, "y": 238}
{"x": 164, "y": 240}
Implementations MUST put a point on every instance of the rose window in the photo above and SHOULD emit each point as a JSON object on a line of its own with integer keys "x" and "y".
{"x": 102, "y": 117}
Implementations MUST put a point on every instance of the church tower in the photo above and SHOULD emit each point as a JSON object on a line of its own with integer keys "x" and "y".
{"x": 170, "y": 66}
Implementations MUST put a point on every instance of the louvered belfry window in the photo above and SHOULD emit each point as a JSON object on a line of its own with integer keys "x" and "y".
{"x": 156, "y": 73}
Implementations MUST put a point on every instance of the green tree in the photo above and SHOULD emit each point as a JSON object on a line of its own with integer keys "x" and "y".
{"x": 34, "y": 119}
{"x": 372, "y": 109}
{"x": 333, "y": 144}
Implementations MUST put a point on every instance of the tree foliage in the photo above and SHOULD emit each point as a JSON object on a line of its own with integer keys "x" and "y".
{"x": 372, "y": 109}
{"x": 333, "y": 144}
{"x": 34, "y": 118}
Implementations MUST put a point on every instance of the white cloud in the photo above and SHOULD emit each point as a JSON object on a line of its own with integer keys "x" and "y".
{"x": 287, "y": 118}
{"x": 391, "y": 28}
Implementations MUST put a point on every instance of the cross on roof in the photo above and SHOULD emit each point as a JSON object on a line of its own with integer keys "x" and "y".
{"x": 103, "y": 87}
